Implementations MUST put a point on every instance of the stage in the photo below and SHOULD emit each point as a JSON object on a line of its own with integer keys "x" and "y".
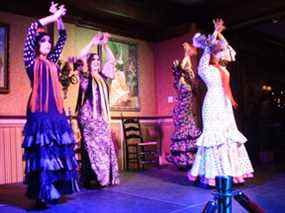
{"x": 163, "y": 190}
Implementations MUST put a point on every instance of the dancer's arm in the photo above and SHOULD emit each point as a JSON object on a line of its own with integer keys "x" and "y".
{"x": 30, "y": 45}
{"x": 186, "y": 65}
{"x": 56, "y": 52}
{"x": 30, "y": 40}
{"x": 54, "y": 17}
{"x": 225, "y": 75}
{"x": 109, "y": 66}
{"x": 86, "y": 50}
{"x": 222, "y": 38}
{"x": 205, "y": 59}
{"x": 219, "y": 28}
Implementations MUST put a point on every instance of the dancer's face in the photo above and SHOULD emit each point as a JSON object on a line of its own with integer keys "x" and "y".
{"x": 218, "y": 48}
{"x": 45, "y": 45}
{"x": 95, "y": 63}
{"x": 215, "y": 56}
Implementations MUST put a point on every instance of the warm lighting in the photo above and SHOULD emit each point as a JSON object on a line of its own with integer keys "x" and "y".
{"x": 266, "y": 88}
{"x": 275, "y": 20}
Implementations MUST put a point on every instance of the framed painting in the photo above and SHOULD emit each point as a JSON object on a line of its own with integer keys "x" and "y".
{"x": 124, "y": 92}
{"x": 4, "y": 73}
{"x": 124, "y": 88}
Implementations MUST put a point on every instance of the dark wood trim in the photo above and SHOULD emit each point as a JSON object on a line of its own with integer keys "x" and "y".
{"x": 144, "y": 117}
{"x": 113, "y": 117}
{"x": 12, "y": 117}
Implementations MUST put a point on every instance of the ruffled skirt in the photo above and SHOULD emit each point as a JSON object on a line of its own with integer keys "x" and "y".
{"x": 221, "y": 153}
{"x": 183, "y": 140}
{"x": 51, "y": 167}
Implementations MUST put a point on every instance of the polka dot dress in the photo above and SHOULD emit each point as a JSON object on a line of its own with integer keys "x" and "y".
{"x": 221, "y": 149}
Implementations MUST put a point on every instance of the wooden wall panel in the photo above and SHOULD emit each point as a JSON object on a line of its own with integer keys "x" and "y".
{"x": 11, "y": 152}
{"x": 11, "y": 164}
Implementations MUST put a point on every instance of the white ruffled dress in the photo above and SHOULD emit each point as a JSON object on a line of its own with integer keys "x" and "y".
{"x": 221, "y": 149}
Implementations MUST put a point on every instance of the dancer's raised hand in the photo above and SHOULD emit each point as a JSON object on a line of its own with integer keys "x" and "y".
{"x": 97, "y": 39}
{"x": 219, "y": 25}
{"x": 53, "y": 7}
{"x": 105, "y": 39}
{"x": 189, "y": 49}
{"x": 61, "y": 11}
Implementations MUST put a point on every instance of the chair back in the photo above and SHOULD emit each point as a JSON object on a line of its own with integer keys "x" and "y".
{"x": 132, "y": 130}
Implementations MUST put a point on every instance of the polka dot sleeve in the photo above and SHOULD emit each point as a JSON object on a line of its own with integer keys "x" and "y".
{"x": 30, "y": 45}
{"x": 204, "y": 60}
{"x": 55, "y": 53}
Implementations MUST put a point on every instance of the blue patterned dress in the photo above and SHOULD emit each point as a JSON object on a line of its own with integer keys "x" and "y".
{"x": 183, "y": 140}
{"x": 51, "y": 167}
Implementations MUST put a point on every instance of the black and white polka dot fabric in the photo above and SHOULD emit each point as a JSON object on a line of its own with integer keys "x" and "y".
{"x": 30, "y": 46}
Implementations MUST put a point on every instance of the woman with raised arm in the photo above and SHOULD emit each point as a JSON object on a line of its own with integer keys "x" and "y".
{"x": 183, "y": 140}
{"x": 99, "y": 156}
{"x": 51, "y": 167}
{"x": 221, "y": 149}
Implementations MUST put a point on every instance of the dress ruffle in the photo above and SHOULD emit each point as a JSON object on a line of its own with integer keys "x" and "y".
{"x": 183, "y": 139}
{"x": 50, "y": 158}
{"x": 50, "y": 185}
{"x": 214, "y": 137}
{"x": 51, "y": 167}
{"x": 227, "y": 159}
{"x": 184, "y": 135}
{"x": 42, "y": 129}
{"x": 182, "y": 153}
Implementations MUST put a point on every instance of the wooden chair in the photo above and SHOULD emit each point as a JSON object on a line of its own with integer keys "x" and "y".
{"x": 138, "y": 151}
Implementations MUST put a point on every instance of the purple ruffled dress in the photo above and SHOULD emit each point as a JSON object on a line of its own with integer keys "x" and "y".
{"x": 51, "y": 167}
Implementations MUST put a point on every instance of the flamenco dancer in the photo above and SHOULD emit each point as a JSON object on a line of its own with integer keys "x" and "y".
{"x": 51, "y": 167}
{"x": 99, "y": 160}
{"x": 221, "y": 149}
{"x": 183, "y": 141}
